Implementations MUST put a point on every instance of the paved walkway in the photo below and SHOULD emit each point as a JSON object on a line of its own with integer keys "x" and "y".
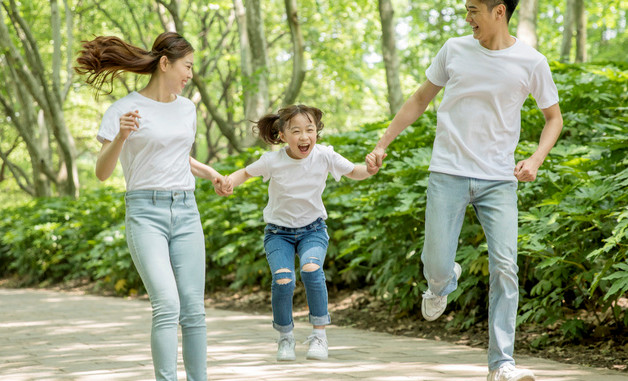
{"x": 46, "y": 335}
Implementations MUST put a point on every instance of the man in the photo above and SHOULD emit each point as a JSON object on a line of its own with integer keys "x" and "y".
{"x": 487, "y": 78}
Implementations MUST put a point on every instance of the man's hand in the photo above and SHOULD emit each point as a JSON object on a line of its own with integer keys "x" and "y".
{"x": 379, "y": 155}
{"x": 527, "y": 169}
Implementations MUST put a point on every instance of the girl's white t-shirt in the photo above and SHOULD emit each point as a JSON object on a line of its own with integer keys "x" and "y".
{"x": 157, "y": 156}
{"x": 296, "y": 186}
{"x": 479, "y": 118}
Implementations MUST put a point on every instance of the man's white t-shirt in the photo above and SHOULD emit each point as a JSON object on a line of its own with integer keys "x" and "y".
{"x": 157, "y": 156}
{"x": 479, "y": 118}
{"x": 296, "y": 186}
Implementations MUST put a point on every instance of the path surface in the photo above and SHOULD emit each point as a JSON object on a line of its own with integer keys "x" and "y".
{"x": 46, "y": 335}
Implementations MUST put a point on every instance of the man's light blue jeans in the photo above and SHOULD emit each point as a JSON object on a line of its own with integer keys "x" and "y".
{"x": 495, "y": 204}
{"x": 166, "y": 242}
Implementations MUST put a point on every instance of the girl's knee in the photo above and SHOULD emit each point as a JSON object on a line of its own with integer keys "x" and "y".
{"x": 283, "y": 277}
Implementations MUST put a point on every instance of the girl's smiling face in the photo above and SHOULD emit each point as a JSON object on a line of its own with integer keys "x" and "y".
{"x": 300, "y": 135}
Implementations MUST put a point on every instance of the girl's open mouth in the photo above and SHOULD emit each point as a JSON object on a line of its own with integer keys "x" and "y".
{"x": 304, "y": 147}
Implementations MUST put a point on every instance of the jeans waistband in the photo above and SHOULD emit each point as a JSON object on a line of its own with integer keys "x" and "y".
{"x": 319, "y": 221}
{"x": 154, "y": 195}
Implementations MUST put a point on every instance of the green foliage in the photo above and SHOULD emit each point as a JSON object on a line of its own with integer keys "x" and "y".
{"x": 573, "y": 221}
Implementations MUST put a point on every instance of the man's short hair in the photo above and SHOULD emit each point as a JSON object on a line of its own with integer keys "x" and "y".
{"x": 510, "y": 6}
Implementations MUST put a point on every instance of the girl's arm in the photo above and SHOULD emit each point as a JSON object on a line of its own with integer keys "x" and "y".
{"x": 361, "y": 171}
{"x": 238, "y": 177}
{"x": 221, "y": 184}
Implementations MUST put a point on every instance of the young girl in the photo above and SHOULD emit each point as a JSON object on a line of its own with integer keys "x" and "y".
{"x": 151, "y": 132}
{"x": 295, "y": 216}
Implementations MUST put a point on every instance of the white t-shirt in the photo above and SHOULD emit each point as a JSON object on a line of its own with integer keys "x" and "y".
{"x": 157, "y": 156}
{"x": 479, "y": 118}
{"x": 296, "y": 186}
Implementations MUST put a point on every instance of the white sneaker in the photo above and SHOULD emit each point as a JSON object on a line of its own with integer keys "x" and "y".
{"x": 317, "y": 349}
{"x": 508, "y": 372}
{"x": 285, "y": 349}
{"x": 432, "y": 306}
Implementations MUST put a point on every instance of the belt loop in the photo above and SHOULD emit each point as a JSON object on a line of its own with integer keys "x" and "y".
{"x": 154, "y": 197}
{"x": 185, "y": 198}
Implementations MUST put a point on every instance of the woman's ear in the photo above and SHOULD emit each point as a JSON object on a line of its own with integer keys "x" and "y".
{"x": 163, "y": 63}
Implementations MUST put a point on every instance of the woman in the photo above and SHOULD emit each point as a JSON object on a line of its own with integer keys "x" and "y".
{"x": 152, "y": 132}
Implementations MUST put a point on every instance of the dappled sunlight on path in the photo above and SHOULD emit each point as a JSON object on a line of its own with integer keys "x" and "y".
{"x": 46, "y": 335}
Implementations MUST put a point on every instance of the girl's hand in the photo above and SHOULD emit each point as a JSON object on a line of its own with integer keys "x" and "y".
{"x": 379, "y": 155}
{"x": 129, "y": 123}
{"x": 371, "y": 164}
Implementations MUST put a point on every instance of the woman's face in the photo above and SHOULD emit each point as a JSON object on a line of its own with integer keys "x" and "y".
{"x": 178, "y": 73}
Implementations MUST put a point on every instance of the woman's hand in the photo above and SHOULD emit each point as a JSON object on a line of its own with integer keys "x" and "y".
{"x": 129, "y": 123}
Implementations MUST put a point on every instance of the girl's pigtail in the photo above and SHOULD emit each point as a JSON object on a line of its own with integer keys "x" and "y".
{"x": 268, "y": 128}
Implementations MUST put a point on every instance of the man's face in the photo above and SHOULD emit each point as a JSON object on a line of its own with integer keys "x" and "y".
{"x": 483, "y": 22}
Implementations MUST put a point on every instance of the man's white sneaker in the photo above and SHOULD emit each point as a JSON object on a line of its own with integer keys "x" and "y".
{"x": 285, "y": 349}
{"x": 317, "y": 349}
{"x": 508, "y": 372}
{"x": 432, "y": 306}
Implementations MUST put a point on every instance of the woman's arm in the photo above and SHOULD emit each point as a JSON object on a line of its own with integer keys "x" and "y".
{"x": 110, "y": 150}
{"x": 221, "y": 183}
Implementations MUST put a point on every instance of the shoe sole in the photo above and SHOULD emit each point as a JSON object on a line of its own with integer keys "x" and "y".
{"x": 287, "y": 359}
{"x": 315, "y": 358}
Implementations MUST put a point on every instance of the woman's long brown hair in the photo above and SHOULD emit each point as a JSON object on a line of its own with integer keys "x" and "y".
{"x": 269, "y": 126}
{"x": 104, "y": 57}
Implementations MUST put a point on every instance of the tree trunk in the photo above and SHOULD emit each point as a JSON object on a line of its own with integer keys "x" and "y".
{"x": 389, "y": 51}
{"x": 245, "y": 53}
{"x": 526, "y": 30}
{"x": 33, "y": 86}
{"x": 298, "y": 62}
{"x": 581, "y": 31}
{"x": 568, "y": 24}
{"x": 259, "y": 61}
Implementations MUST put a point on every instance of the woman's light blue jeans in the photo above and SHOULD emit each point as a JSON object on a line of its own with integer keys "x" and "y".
{"x": 166, "y": 242}
{"x": 495, "y": 204}
{"x": 310, "y": 244}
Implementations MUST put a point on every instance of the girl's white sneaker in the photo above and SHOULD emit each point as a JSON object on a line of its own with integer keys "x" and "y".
{"x": 285, "y": 349}
{"x": 318, "y": 348}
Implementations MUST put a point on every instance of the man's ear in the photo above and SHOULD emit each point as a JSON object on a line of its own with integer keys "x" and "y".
{"x": 500, "y": 11}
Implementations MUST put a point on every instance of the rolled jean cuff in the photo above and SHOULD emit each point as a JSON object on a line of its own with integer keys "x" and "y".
{"x": 320, "y": 320}
{"x": 284, "y": 328}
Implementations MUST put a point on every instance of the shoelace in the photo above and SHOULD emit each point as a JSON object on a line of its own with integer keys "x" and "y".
{"x": 505, "y": 370}
{"x": 320, "y": 340}
{"x": 429, "y": 295}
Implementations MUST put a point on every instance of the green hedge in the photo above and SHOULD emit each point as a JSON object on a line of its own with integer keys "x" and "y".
{"x": 573, "y": 221}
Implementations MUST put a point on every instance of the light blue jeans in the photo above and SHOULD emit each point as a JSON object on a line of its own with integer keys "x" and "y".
{"x": 310, "y": 244}
{"x": 165, "y": 237}
{"x": 495, "y": 204}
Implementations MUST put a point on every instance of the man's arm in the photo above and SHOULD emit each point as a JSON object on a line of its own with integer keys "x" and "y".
{"x": 411, "y": 110}
{"x": 527, "y": 169}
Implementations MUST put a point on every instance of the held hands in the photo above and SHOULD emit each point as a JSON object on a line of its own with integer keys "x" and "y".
{"x": 223, "y": 186}
{"x": 129, "y": 123}
{"x": 527, "y": 169}
{"x": 371, "y": 164}
{"x": 377, "y": 157}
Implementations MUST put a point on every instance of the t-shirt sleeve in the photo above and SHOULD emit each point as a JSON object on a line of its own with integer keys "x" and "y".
{"x": 110, "y": 125}
{"x": 437, "y": 71}
{"x": 260, "y": 168}
{"x": 542, "y": 86}
{"x": 338, "y": 164}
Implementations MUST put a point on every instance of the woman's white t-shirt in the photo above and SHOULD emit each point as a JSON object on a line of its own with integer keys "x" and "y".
{"x": 479, "y": 118}
{"x": 157, "y": 156}
{"x": 296, "y": 186}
